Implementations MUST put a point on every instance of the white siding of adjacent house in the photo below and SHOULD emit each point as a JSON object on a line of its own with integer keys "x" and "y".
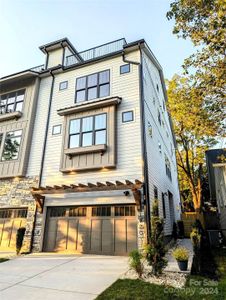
{"x": 129, "y": 161}
{"x": 220, "y": 183}
{"x": 160, "y": 134}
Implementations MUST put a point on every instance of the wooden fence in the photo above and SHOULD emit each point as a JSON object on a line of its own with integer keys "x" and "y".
{"x": 188, "y": 219}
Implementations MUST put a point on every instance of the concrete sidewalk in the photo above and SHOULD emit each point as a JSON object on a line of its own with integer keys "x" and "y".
{"x": 56, "y": 277}
{"x": 172, "y": 263}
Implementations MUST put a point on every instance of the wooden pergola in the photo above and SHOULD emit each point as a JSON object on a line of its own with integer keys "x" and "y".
{"x": 38, "y": 193}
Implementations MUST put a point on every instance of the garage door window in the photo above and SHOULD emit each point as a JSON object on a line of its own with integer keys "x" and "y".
{"x": 13, "y": 213}
{"x": 6, "y": 214}
{"x": 77, "y": 212}
{"x": 101, "y": 211}
{"x": 121, "y": 211}
{"x": 58, "y": 212}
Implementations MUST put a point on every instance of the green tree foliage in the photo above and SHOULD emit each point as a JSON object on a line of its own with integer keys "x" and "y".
{"x": 11, "y": 149}
{"x": 204, "y": 23}
{"x": 195, "y": 127}
{"x": 135, "y": 262}
{"x": 155, "y": 250}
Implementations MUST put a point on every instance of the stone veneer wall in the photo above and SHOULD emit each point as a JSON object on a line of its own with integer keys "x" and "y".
{"x": 15, "y": 193}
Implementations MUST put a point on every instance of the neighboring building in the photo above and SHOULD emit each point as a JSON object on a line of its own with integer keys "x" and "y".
{"x": 216, "y": 163}
{"x": 94, "y": 140}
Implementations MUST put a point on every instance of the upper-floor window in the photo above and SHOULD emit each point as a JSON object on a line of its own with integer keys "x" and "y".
{"x": 12, "y": 102}
{"x": 88, "y": 131}
{"x": 63, "y": 85}
{"x": 93, "y": 86}
{"x": 127, "y": 116}
{"x": 159, "y": 117}
{"x": 125, "y": 69}
{"x": 12, "y": 145}
{"x": 155, "y": 192}
{"x": 168, "y": 167}
{"x": 163, "y": 206}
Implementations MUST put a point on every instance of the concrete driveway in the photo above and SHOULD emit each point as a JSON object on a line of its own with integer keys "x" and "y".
{"x": 59, "y": 276}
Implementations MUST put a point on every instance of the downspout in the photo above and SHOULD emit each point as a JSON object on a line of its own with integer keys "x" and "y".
{"x": 143, "y": 141}
{"x": 46, "y": 130}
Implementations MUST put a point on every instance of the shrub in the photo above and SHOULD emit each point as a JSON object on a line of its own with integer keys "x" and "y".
{"x": 155, "y": 251}
{"x": 180, "y": 225}
{"x": 136, "y": 262}
{"x": 196, "y": 242}
{"x": 174, "y": 232}
{"x": 181, "y": 254}
{"x": 19, "y": 239}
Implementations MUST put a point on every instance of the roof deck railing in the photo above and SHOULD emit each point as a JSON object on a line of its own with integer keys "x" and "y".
{"x": 96, "y": 52}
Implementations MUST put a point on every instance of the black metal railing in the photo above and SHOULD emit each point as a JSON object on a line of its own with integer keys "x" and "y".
{"x": 38, "y": 68}
{"x": 96, "y": 52}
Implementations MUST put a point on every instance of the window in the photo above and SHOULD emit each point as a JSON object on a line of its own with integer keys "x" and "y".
{"x": 127, "y": 116}
{"x": 163, "y": 206}
{"x": 88, "y": 131}
{"x": 101, "y": 211}
{"x": 56, "y": 129}
{"x": 12, "y": 102}
{"x": 58, "y": 212}
{"x": 168, "y": 167}
{"x": 121, "y": 211}
{"x": 20, "y": 213}
{"x": 125, "y": 69}
{"x": 93, "y": 86}
{"x": 6, "y": 213}
{"x": 77, "y": 212}
{"x": 13, "y": 213}
{"x": 12, "y": 145}
{"x": 63, "y": 85}
{"x": 155, "y": 192}
{"x": 159, "y": 117}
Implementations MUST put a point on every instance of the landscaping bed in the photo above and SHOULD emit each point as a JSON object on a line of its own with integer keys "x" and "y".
{"x": 3, "y": 259}
{"x": 196, "y": 287}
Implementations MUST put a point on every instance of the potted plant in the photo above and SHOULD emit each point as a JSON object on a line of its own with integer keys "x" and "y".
{"x": 181, "y": 254}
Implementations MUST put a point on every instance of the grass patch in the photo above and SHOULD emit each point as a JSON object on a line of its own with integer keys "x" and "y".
{"x": 196, "y": 288}
{"x": 3, "y": 259}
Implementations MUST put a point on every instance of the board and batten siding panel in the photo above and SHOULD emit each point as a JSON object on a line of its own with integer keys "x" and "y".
{"x": 39, "y": 127}
{"x": 156, "y": 160}
{"x": 129, "y": 162}
{"x": 55, "y": 57}
{"x": 25, "y": 123}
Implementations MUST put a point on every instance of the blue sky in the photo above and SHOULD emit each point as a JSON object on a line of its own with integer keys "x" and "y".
{"x": 27, "y": 24}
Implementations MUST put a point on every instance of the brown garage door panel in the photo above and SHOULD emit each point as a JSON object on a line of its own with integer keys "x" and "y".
{"x": 8, "y": 231}
{"x": 97, "y": 235}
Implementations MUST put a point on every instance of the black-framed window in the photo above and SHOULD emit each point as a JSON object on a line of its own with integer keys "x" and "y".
{"x": 155, "y": 192}
{"x": 93, "y": 86}
{"x": 58, "y": 212}
{"x": 101, "y": 211}
{"x": 56, "y": 129}
{"x": 125, "y": 69}
{"x": 63, "y": 85}
{"x": 159, "y": 117}
{"x": 127, "y": 116}
{"x": 77, "y": 212}
{"x": 163, "y": 206}
{"x": 12, "y": 145}
{"x": 168, "y": 168}
{"x": 121, "y": 211}
{"x": 88, "y": 131}
{"x": 12, "y": 102}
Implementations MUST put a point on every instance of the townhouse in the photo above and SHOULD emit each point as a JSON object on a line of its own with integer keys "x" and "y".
{"x": 86, "y": 144}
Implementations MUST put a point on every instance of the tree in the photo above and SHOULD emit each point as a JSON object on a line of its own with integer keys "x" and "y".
{"x": 195, "y": 128}
{"x": 155, "y": 250}
{"x": 204, "y": 23}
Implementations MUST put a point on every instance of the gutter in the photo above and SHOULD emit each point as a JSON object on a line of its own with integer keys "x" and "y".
{"x": 143, "y": 141}
{"x": 46, "y": 129}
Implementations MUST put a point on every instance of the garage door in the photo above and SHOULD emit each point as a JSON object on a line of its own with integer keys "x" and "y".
{"x": 10, "y": 221}
{"x": 100, "y": 229}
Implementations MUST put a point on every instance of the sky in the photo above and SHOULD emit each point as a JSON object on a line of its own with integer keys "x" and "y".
{"x": 27, "y": 24}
